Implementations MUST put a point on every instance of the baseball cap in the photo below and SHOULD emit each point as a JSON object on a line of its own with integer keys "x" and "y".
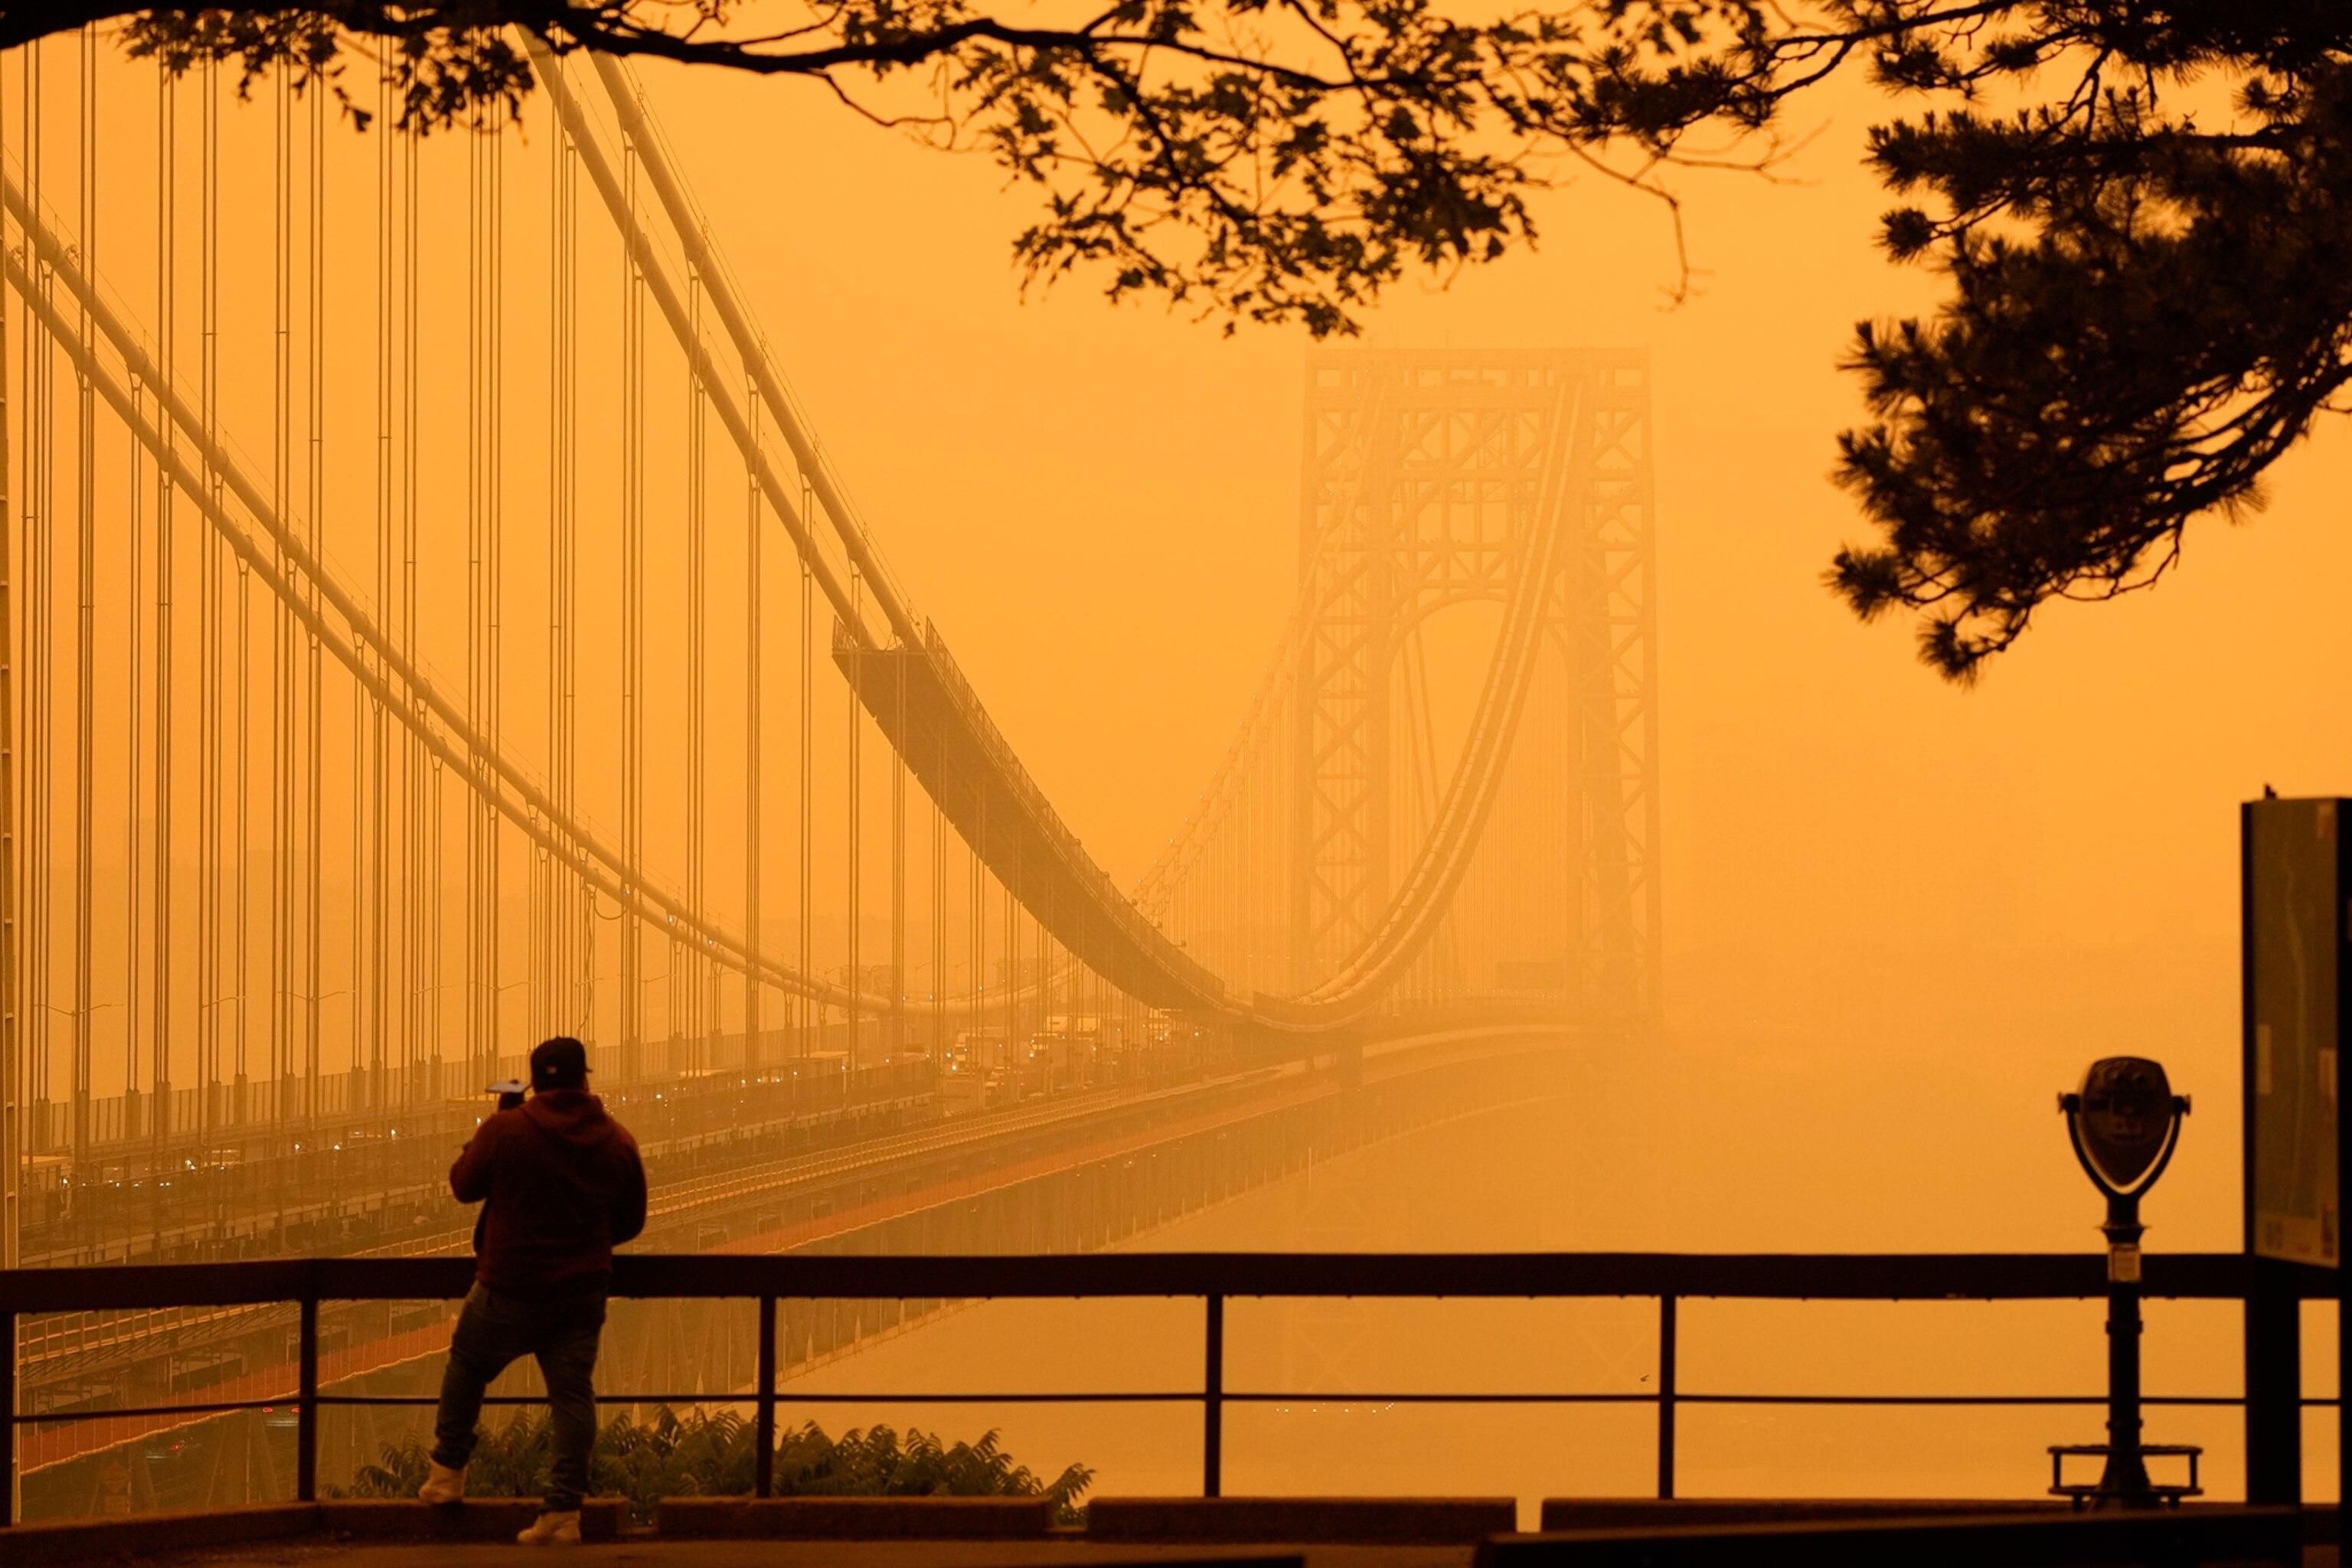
{"x": 558, "y": 1062}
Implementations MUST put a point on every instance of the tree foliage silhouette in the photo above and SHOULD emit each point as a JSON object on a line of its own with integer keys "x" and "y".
{"x": 2140, "y": 207}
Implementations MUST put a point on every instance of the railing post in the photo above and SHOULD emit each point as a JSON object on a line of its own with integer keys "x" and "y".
{"x": 2273, "y": 1349}
{"x": 763, "y": 1422}
{"x": 1212, "y": 1404}
{"x": 1666, "y": 1396}
{"x": 306, "y": 1405}
{"x": 8, "y": 1415}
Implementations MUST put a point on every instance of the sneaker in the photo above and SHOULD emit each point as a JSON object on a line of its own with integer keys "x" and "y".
{"x": 444, "y": 1485}
{"x": 552, "y": 1530}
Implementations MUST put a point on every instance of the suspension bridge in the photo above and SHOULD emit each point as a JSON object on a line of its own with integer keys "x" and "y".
{"x": 432, "y": 623}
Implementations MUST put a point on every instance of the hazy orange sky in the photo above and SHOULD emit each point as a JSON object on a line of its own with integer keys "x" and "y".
{"x": 1899, "y": 915}
{"x": 1096, "y": 505}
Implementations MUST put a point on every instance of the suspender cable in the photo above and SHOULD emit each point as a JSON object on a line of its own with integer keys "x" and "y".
{"x": 977, "y": 945}
{"x": 166, "y": 334}
{"x": 578, "y": 903}
{"x": 12, "y": 1152}
{"x": 540, "y": 947}
{"x": 810, "y": 1020}
{"x": 315, "y": 732}
{"x": 476, "y": 594}
{"x": 633, "y": 487}
{"x": 134, "y": 815}
{"x": 792, "y": 512}
{"x": 565, "y": 949}
{"x": 420, "y": 957}
{"x": 38, "y": 544}
{"x": 753, "y": 741}
{"x": 938, "y": 1043}
{"x": 241, "y": 881}
{"x": 208, "y": 633}
{"x": 392, "y": 680}
{"x": 86, "y": 621}
{"x": 685, "y": 970}
{"x": 671, "y": 193}
{"x": 282, "y": 687}
{"x": 854, "y": 979}
{"x": 898, "y": 1038}
{"x": 491, "y": 144}
{"x": 494, "y": 628}
{"x": 417, "y": 702}
{"x": 239, "y": 872}
{"x": 486, "y": 441}
{"x": 375, "y": 809}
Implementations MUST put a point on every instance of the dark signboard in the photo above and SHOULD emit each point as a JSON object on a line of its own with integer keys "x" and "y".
{"x": 2295, "y": 915}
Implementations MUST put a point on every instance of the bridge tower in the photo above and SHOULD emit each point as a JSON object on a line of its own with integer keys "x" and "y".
{"x": 1425, "y": 476}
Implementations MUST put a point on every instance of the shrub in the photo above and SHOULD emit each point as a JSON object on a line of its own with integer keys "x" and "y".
{"x": 702, "y": 1454}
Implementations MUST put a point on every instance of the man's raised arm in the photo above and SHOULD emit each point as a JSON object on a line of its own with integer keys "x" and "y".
{"x": 469, "y": 1178}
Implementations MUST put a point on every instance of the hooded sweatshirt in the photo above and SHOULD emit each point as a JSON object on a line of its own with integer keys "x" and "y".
{"x": 563, "y": 1185}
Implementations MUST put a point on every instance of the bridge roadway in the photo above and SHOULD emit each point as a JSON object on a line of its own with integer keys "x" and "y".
{"x": 376, "y": 1155}
{"x": 865, "y": 1195}
{"x": 409, "y": 1200}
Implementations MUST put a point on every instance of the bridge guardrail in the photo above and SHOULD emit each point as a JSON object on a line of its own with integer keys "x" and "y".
{"x": 1211, "y": 1278}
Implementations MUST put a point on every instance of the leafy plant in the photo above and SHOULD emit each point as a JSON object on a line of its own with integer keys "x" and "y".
{"x": 712, "y": 1454}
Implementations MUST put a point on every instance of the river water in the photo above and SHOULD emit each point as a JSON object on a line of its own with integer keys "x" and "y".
{"x": 1720, "y": 1144}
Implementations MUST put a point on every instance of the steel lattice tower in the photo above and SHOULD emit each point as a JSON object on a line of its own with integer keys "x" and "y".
{"x": 1426, "y": 474}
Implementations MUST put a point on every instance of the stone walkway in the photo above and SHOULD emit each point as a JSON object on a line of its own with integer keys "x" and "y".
{"x": 320, "y": 1551}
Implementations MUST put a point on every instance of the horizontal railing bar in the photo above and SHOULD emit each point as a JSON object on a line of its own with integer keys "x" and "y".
{"x": 1171, "y": 1397}
{"x": 540, "y": 1400}
{"x": 1424, "y": 1398}
{"x": 1943, "y": 1399}
{"x": 1175, "y": 1396}
{"x": 745, "y": 1398}
{"x": 783, "y": 1399}
{"x": 1980, "y": 1277}
{"x": 784, "y": 1396}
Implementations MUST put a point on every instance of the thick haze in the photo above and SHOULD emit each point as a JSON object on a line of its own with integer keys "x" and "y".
{"x": 1989, "y": 888}
{"x": 1899, "y": 914}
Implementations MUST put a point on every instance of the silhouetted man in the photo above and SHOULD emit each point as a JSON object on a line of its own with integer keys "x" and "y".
{"x": 561, "y": 1185}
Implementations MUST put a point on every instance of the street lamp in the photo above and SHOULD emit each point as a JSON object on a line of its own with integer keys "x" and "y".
{"x": 2124, "y": 1122}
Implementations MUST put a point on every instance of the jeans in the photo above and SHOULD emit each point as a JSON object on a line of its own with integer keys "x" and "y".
{"x": 495, "y": 1328}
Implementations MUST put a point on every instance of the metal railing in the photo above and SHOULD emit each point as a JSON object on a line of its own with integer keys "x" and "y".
{"x": 1211, "y": 1278}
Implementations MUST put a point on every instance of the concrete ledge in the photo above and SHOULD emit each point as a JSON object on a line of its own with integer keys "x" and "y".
{"x": 2017, "y": 1539}
{"x": 42, "y": 1544}
{"x": 1645, "y": 1513}
{"x": 1338, "y": 1521}
{"x": 855, "y": 1517}
{"x": 476, "y": 1518}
